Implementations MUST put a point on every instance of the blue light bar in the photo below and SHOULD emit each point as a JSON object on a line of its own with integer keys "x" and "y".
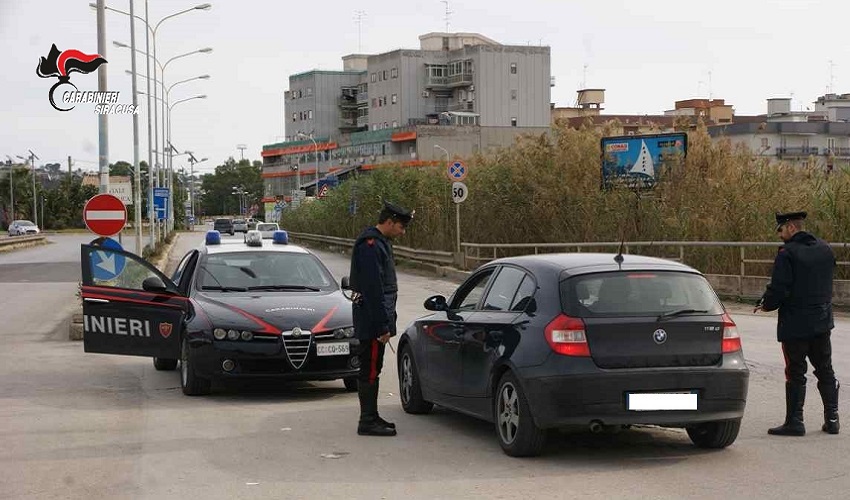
{"x": 280, "y": 237}
{"x": 213, "y": 238}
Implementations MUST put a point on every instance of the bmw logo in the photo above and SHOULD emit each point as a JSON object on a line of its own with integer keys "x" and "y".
{"x": 296, "y": 332}
{"x": 659, "y": 336}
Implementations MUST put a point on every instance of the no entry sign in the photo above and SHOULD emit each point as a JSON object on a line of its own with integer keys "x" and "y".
{"x": 105, "y": 214}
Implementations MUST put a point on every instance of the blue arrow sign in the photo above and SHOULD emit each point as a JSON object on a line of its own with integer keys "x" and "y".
{"x": 107, "y": 265}
{"x": 160, "y": 202}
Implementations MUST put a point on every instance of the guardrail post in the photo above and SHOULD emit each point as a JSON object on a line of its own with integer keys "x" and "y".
{"x": 682, "y": 254}
{"x": 494, "y": 253}
{"x": 743, "y": 272}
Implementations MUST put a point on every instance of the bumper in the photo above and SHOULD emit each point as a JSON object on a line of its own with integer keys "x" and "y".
{"x": 590, "y": 394}
{"x": 269, "y": 361}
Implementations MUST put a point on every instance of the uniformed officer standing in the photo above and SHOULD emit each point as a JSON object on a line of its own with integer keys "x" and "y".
{"x": 801, "y": 288}
{"x": 373, "y": 281}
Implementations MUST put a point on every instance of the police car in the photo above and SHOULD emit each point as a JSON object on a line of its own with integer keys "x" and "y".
{"x": 232, "y": 309}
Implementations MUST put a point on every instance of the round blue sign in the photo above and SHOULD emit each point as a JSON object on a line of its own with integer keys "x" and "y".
{"x": 106, "y": 264}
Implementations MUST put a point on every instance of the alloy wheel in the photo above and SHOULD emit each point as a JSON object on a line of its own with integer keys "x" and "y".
{"x": 406, "y": 378}
{"x": 508, "y": 413}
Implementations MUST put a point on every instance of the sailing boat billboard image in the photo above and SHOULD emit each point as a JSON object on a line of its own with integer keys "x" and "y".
{"x": 637, "y": 160}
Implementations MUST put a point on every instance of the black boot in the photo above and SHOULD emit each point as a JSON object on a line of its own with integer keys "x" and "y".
{"x": 381, "y": 420}
{"x": 829, "y": 395}
{"x": 369, "y": 424}
{"x": 795, "y": 397}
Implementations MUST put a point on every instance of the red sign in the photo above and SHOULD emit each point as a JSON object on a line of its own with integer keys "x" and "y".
{"x": 105, "y": 214}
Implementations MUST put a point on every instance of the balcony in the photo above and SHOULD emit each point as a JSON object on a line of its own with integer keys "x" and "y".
{"x": 837, "y": 152}
{"x": 801, "y": 151}
{"x": 460, "y": 80}
{"x": 363, "y": 98}
{"x": 346, "y": 102}
{"x": 437, "y": 81}
{"x": 363, "y": 121}
{"x": 462, "y": 106}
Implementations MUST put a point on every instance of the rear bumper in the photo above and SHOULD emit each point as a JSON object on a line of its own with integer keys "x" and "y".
{"x": 591, "y": 394}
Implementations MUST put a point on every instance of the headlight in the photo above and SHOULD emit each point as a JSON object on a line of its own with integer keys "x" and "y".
{"x": 339, "y": 333}
{"x": 246, "y": 335}
{"x": 232, "y": 335}
{"x": 349, "y": 332}
{"x": 219, "y": 333}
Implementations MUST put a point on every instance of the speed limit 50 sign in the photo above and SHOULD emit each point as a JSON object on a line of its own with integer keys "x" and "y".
{"x": 459, "y": 192}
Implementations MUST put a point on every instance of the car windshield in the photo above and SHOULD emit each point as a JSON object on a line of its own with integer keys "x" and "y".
{"x": 25, "y": 223}
{"x": 282, "y": 271}
{"x": 238, "y": 221}
{"x": 267, "y": 227}
{"x": 638, "y": 293}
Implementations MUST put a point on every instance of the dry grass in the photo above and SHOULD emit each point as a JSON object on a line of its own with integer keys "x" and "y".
{"x": 547, "y": 189}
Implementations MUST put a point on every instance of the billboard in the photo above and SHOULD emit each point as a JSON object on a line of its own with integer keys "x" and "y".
{"x": 636, "y": 161}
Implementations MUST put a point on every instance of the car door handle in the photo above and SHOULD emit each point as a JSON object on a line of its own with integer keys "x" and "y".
{"x": 96, "y": 301}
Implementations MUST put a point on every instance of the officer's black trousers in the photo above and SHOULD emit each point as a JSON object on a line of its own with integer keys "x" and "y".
{"x": 371, "y": 356}
{"x": 819, "y": 352}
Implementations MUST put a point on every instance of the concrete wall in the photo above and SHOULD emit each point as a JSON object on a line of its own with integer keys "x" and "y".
{"x": 495, "y": 85}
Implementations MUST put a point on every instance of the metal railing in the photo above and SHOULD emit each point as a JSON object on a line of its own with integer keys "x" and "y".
{"x": 427, "y": 256}
{"x": 801, "y": 151}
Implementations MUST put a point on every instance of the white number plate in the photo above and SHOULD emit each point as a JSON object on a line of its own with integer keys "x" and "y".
{"x": 332, "y": 348}
{"x": 664, "y": 401}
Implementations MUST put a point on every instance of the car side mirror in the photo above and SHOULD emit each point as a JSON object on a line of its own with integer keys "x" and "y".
{"x": 345, "y": 283}
{"x": 436, "y": 303}
{"x": 154, "y": 284}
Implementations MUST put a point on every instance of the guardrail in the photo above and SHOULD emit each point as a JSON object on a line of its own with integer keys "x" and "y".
{"x": 427, "y": 256}
{"x": 13, "y": 241}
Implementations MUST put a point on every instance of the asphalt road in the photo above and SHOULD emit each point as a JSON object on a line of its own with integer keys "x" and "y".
{"x": 78, "y": 425}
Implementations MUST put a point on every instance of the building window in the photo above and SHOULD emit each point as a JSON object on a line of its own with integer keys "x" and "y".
{"x": 461, "y": 96}
{"x": 764, "y": 144}
{"x": 386, "y": 125}
{"x": 374, "y": 78}
{"x": 394, "y": 73}
{"x": 294, "y": 116}
{"x": 395, "y": 123}
{"x": 513, "y": 68}
{"x": 830, "y": 143}
{"x": 374, "y": 102}
{"x": 513, "y": 121}
{"x": 374, "y": 126}
{"x": 385, "y": 74}
{"x": 513, "y": 95}
{"x": 394, "y": 98}
{"x": 309, "y": 91}
{"x": 310, "y": 114}
{"x": 300, "y": 93}
{"x": 472, "y": 96}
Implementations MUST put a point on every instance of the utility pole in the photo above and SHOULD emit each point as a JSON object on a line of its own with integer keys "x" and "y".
{"x": 70, "y": 163}
{"x": 11, "y": 189}
{"x": 137, "y": 188}
{"x": 33, "y": 157}
{"x": 102, "y": 122}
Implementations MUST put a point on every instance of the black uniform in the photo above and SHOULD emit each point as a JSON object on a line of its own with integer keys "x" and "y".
{"x": 373, "y": 281}
{"x": 801, "y": 288}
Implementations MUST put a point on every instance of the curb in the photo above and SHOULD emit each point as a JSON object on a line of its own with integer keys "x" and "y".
{"x": 75, "y": 330}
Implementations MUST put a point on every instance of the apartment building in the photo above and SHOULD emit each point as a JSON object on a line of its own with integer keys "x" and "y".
{"x": 371, "y": 111}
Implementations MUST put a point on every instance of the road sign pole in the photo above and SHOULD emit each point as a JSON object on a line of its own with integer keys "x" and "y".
{"x": 457, "y": 220}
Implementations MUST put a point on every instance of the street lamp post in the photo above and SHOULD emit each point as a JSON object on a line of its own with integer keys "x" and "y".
{"x": 11, "y": 189}
{"x": 457, "y": 205}
{"x": 192, "y": 162}
{"x": 316, "y": 146}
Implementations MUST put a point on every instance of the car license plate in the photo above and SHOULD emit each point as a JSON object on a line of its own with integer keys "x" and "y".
{"x": 332, "y": 349}
{"x": 661, "y": 401}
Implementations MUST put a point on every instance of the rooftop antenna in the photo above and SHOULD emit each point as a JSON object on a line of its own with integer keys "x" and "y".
{"x": 584, "y": 76}
{"x": 448, "y": 14}
{"x": 241, "y": 148}
{"x": 358, "y": 19}
{"x": 710, "y": 95}
{"x": 831, "y": 77}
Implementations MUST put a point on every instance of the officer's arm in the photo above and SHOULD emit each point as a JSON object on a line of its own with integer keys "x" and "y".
{"x": 781, "y": 279}
{"x": 372, "y": 284}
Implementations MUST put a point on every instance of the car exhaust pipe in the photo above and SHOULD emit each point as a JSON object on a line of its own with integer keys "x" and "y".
{"x": 596, "y": 427}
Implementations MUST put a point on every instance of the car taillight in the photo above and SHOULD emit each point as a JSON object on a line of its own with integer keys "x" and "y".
{"x": 731, "y": 337}
{"x": 566, "y": 336}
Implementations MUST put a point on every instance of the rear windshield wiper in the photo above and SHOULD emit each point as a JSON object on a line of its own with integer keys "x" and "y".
{"x": 226, "y": 288}
{"x": 679, "y": 312}
{"x": 285, "y": 287}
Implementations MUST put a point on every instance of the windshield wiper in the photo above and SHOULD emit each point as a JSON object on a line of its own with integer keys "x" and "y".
{"x": 679, "y": 312}
{"x": 285, "y": 287}
{"x": 225, "y": 288}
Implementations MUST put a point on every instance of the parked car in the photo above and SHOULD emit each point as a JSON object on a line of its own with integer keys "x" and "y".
{"x": 240, "y": 225}
{"x": 23, "y": 227}
{"x": 224, "y": 226}
{"x": 232, "y": 310}
{"x": 541, "y": 342}
{"x": 252, "y": 223}
{"x": 267, "y": 229}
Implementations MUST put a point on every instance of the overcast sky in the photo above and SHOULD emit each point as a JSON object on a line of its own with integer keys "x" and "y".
{"x": 646, "y": 54}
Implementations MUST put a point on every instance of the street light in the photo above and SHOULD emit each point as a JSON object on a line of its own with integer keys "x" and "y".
{"x": 151, "y": 35}
{"x": 316, "y": 146}
{"x": 457, "y": 205}
{"x": 11, "y": 189}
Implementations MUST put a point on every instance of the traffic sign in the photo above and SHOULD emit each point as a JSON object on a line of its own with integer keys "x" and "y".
{"x": 107, "y": 265}
{"x": 457, "y": 171}
{"x": 459, "y": 192}
{"x": 105, "y": 214}
{"x": 160, "y": 203}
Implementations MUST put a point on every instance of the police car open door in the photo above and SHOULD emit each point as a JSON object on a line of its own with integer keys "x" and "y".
{"x": 129, "y": 307}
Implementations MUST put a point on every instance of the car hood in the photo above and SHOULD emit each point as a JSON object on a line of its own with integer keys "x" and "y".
{"x": 274, "y": 312}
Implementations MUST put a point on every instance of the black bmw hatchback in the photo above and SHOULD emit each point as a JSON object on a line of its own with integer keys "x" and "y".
{"x": 542, "y": 342}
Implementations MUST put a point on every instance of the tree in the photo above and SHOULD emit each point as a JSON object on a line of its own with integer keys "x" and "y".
{"x": 217, "y": 188}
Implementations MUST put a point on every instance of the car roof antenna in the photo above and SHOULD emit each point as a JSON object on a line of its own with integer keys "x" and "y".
{"x": 619, "y": 257}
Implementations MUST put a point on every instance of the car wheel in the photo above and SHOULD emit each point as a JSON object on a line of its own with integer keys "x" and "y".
{"x": 718, "y": 434}
{"x": 350, "y": 384}
{"x": 410, "y": 389}
{"x": 164, "y": 364}
{"x": 518, "y": 435}
{"x": 191, "y": 384}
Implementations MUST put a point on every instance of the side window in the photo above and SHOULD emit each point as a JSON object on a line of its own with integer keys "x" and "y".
{"x": 182, "y": 274}
{"x": 501, "y": 294}
{"x": 524, "y": 294}
{"x": 181, "y": 268}
{"x": 467, "y": 298}
{"x": 117, "y": 270}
